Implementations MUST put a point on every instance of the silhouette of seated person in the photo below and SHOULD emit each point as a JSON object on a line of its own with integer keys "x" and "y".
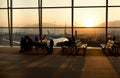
{"x": 116, "y": 43}
{"x": 36, "y": 43}
{"x": 28, "y": 43}
{"x": 45, "y": 46}
{"x": 114, "y": 39}
{"x": 41, "y": 43}
{"x": 22, "y": 44}
{"x": 51, "y": 45}
{"x": 70, "y": 42}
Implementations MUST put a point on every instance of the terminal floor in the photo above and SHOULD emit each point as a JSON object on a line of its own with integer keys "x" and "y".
{"x": 93, "y": 65}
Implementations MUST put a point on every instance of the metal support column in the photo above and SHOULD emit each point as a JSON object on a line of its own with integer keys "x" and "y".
{"x": 72, "y": 19}
{"x": 11, "y": 26}
{"x": 40, "y": 18}
{"x": 106, "y": 20}
{"x": 10, "y": 21}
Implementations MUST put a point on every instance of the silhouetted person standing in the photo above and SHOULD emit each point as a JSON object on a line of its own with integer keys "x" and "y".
{"x": 22, "y": 44}
{"x": 36, "y": 43}
{"x": 28, "y": 43}
{"x": 51, "y": 45}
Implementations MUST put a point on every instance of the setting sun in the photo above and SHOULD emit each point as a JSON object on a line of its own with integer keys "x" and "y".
{"x": 89, "y": 22}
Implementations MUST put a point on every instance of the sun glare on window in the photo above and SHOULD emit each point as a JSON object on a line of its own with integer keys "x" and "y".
{"x": 88, "y": 22}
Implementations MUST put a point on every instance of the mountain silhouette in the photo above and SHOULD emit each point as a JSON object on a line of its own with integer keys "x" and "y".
{"x": 110, "y": 24}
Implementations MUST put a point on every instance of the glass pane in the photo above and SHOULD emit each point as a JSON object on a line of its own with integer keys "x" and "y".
{"x": 113, "y": 32}
{"x": 4, "y": 37}
{"x": 3, "y": 18}
{"x": 114, "y": 2}
{"x": 90, "y": 2}
{"x": 22, "y": 20}
{"x": 20, "y": 32}
{"x": 89, "y": 17}
{"x": 51, "y": 30}
{"x": 114, "y": 17}
{"x": 25, "y": 18}
{"x": 3, "y": 3}
{"x": 59, "y": 35}
{"x": 55, "y": 3}
{"x": 3, "y": 28}
{"x": 25, "y": 3}
{"x": 57, "y": 17}
{"x": 92, "y": 36}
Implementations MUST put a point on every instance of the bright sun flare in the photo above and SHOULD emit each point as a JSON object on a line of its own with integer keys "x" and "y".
{"x": 89, "y": 22}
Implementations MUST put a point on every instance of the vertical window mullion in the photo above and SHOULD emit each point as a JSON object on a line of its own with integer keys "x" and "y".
{"x": 106, "y": 20}
{"x": 11, "y": 26}
{"x": 72, "y": 19}
{"x": 40, "y": 18}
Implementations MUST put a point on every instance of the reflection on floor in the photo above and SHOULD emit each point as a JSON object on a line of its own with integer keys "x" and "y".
{"x": 93, "y": 65}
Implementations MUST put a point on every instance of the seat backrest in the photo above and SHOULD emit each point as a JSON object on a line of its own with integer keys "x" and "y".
{"x": 109, "y": 43}
{"x": 78, "y": 44}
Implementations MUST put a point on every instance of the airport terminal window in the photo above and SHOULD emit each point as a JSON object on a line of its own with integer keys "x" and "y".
{"x": 3, "y": 3}
{"x": 4, "y": 32}
{"x": 91, "y": 36}
{"x": 114, "y": 2}
{"x": 4, "y": 36}
{"x": 61, "y": 32}
{"x": 89, "y": 17}
{"x": 3, "y": 18}
{"x": 114, "y": 32}
{"x": 25, "y": 22}
{"x": 56, "y": 3}
{"x": 25, "y": 3}
{"x": 114, "y": 21}
{"x": 57, "y": 15}
{"x": 89, "y": 2}
{"x": 25, "y": 18}
{"x": 19, "y": 32}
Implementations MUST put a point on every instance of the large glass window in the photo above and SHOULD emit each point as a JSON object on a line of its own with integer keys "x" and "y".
{"x": 89, "y": 2}
{"x": 114, "y": 2}
{"x": 92, "y": 36}
{"x": 19, "y": 32}
{"x": 113, "y": 22}
{"x": 4, "y": 33}
{"x": 25, "y": 3}
{"x": 56, "y": 17}
{"x": 58, "y": 34}
{"x": 25, "y": 18}
{"x": 56, "y": 3}
{"x": 89, "y": 17}
{"x": 25, "y": 22}
{"x": 3, "y": 3}
{"x": 3, "y": 18}
{"x": 113, "y": 32}
{"x": 114, "y": 17}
